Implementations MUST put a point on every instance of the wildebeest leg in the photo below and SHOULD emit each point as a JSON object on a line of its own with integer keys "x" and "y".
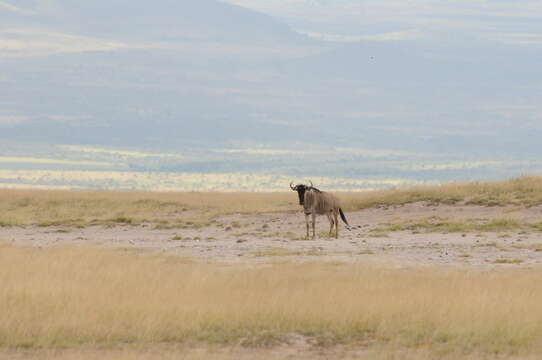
{"x": 330, "y": 218}
{"x": 307, "y": 223}
{"x": 313, "y": 225}
{"x": 336, "y": 217}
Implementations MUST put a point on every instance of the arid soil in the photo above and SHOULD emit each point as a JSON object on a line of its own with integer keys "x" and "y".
{"x": 260, "y": 238}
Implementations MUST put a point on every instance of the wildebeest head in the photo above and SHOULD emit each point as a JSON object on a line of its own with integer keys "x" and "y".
{"x": 301, "y": 188}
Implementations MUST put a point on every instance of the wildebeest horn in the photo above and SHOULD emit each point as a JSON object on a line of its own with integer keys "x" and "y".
{"x": 291, "y": 187}
{"x": 311, "y": 183}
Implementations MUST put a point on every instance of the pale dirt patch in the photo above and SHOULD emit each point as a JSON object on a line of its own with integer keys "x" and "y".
{"x": 261, "y": 238}
{"x": 204, "y": 352}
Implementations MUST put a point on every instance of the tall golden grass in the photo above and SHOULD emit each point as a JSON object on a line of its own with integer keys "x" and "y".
{"x": 77, "y": 297}
{"x": 46, "y": 207}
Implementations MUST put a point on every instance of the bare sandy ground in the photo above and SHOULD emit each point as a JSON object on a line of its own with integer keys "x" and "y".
{"x": 281, "y": 236}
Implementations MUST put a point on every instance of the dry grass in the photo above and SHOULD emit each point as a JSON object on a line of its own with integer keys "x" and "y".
{"x": 166, "y": 210}
{"x": 533, "y": 247}
{"x": 177, "y": 210}
{"x": 508, "y": 261}
{"x": 79, "y": 297}
{"x": 278, "y": 251}
{"x": 439, "y": 225}
{"x": 525, "y": 191}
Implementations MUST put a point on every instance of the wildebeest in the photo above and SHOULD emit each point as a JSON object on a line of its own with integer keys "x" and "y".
{"x": 316, "y": 202}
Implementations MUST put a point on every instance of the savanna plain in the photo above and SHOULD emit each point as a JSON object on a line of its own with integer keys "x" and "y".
{"x": 434, "y": 272}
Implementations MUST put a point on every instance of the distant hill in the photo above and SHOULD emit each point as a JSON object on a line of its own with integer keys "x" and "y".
{"x": 144, "y": 19}
{"x": 205, "y": 72}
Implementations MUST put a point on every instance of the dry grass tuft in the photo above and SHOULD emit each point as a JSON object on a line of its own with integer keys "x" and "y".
{"x": 508, "y": 261}
{"x": 73, "y": 297}
{"x": 439, "y": 225}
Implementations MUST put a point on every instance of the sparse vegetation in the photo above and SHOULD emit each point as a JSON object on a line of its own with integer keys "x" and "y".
{"x": 533, "y": 247}
{"x": 123, "y": 220}
{"x": 290, "y": 236}
{"x": 278, "y": 251}
{"x": 83, "y": 208}
{"x": 488, "y": 244}
{"x": 378, "y": 234}
{"x": 526, "y": 191}
{"x": 439, "y": 225}
{"x": 382, "y": 230}
{"x": 508, "y": 261}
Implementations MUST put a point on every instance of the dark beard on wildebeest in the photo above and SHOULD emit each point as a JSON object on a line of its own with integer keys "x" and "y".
{"x": 301, "y": 193}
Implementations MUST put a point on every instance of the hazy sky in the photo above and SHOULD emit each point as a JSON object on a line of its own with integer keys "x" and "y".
{"x": 513, "y": 21}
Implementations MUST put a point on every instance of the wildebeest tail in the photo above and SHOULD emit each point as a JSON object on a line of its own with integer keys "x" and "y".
{"x": 344, "y": 218}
